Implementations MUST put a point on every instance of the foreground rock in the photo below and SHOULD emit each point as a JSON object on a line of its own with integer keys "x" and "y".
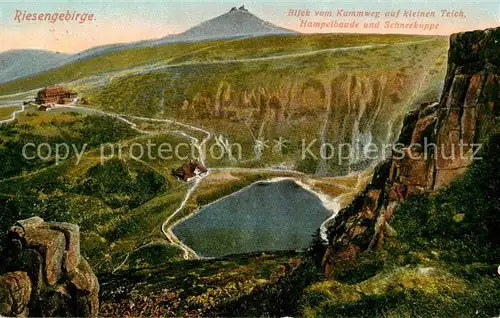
{"x": 438, "y": 142}
{"x": 46, "y": 275}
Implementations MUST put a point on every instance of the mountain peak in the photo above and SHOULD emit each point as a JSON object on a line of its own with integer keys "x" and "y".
{"x": 234, "y": 23}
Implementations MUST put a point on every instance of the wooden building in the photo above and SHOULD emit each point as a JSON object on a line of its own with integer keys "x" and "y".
{"x": 55, "y": 95}
{"x": 189, "y": 170}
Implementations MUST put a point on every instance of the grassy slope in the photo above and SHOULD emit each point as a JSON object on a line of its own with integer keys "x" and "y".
{"x": 196, "y": 52}
{"x": 6, "y": 112}
{"x": 190, "y": 288}
{"x": 119, "y": 205}
{"x": 190, "y": 93}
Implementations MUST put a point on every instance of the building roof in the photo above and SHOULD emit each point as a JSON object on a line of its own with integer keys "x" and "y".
{"x": 53, "y": 91}
{"x": 187, "y": 170}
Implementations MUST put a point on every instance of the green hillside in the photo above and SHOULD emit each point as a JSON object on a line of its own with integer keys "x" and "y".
{"x": 442, "y": 262}
{"x": 119, "y": 203}
{"x": 295, "y": 97}
{"x": 193, "y": 52}
{"x": 300, "y": 87}
{"x": 296, "y": 87}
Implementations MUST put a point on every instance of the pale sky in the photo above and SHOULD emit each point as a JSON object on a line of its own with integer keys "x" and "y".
{"x": 121, "y": 21}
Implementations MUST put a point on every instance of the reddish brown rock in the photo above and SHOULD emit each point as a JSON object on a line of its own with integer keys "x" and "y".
{"x": 72, "y": 235}
{"x": 48, "y": 274}
{"x": 85, "y": 283}
{"x": 413, "y": 169}
{"x": 370, "y": 204}
{"x": 51, "y": 245}
{"x": 327, "y": 262}
{"x": 473, "y": 90}
{"x": 398, "y": 192}
{"x": 15, "y": 293}
{"x": 444, "y": 176}
{"x": 465, "y": 114}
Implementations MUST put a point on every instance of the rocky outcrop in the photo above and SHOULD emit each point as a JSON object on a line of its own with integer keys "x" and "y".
{"x": 46, "y": 275}
{"x": 436, "y": 144}
{"x": 345, "y": 109}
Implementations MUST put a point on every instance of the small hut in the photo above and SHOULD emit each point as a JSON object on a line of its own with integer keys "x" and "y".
{"x": 189, "y": 171}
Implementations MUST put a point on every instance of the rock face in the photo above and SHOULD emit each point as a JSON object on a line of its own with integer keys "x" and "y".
{"x": 436, "y": 144}
{"x": 344, "y": 108}
{"x": 46, "y": 275}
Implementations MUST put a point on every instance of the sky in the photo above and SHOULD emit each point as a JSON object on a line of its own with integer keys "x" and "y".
{"x": 119, "y": 21}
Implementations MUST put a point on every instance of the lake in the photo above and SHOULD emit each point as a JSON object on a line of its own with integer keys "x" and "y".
{"x": 266, "y": 216}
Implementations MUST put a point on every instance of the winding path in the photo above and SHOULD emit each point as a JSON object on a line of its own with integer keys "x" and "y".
{"x": 12, "y": 116}
{"x": 165, "y": 227}
{"x": 192, "y": 187}
{"x": 167, "y": 231}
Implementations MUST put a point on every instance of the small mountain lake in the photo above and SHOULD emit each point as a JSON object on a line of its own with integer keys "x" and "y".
{"x": 266, "y": 216}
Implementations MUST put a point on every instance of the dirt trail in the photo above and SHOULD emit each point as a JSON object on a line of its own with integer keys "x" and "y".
{"x": 107, "y": 78}
{"x": 12, "y": 116}
{"x": 165, "y": 228}
{"x": 160, "y": 67}
{"x": 167, "y": 231}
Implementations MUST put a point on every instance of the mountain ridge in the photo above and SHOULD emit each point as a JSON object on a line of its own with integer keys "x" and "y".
{"x": 23, "y": 62}
{"x": 233, "y": 24}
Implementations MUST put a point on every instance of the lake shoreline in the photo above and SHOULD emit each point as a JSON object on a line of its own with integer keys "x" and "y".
{"x": 332, "y": 205}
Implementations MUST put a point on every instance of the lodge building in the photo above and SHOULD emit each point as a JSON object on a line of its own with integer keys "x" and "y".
{"x": 55, "y": 95}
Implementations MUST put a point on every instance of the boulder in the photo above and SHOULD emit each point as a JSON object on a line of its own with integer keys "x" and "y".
{"x": 72, "y": 235}
{"x": 51, "y": 246}
{"x": 48, "y": 276}
{"x": 15, "y": 293}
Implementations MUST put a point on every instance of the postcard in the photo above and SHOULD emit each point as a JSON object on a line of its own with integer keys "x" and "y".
{"x": 249, "y": 159}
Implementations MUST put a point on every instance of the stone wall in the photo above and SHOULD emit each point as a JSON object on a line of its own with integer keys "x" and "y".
{"x": 45, "y": 273}
{"x": 467, "y": 112}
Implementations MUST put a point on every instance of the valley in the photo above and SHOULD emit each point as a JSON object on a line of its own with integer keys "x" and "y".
{"x": 119, "y": 236}
{"x": 247, "y": 228}
{"x": 184, "y": 99}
